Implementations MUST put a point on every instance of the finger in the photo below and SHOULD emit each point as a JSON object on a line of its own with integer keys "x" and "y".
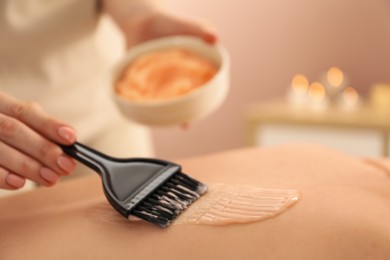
{"x": 196, "y": 29}
{"x": 19, "y": 136}
{"x": 200, "y": 32}
{"x": 20, "y": 164}
{"x": 210, "y": 37}
{"x": 163, "y": 24}
{"x": 36, "y": 118}
{"x": 185, "y": 126}
{"x": 10, "y": 181}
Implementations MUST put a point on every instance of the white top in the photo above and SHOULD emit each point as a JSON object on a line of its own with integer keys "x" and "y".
{"x": 59, "y": 53}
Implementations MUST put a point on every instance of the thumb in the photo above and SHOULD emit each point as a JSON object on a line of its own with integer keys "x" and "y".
{"x": 168, "y": 25}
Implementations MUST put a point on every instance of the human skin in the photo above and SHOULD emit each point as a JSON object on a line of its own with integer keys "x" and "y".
{"x": 28, "y": 144}
{"x": 143, "y": 20}
{"x": 29, "y": 137}
{"x": 342, "y": 213}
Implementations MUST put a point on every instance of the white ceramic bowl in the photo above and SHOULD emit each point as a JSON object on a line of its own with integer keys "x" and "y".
{"x": 192, "y": 106}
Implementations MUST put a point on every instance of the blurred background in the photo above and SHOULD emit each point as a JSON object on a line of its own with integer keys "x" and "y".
{"x": 270, "y": 41}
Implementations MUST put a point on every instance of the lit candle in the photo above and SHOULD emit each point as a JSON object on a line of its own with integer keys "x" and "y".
{"x": 297, "y": 93}
{"x": 317, "y": 96}
{"x": 335, "y": 78}
{"x": 349, "y": 98}
{"x": 334, "y": 82}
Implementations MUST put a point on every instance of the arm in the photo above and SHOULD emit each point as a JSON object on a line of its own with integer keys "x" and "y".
{"x": 142, "y": 20}
{"x": 28, "y": 149}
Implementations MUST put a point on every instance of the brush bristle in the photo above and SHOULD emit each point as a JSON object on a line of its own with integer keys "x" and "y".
{"x": 169, "y": 200}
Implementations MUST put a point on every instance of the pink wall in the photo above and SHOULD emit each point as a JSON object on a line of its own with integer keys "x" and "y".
{"x": 270, "y": 41}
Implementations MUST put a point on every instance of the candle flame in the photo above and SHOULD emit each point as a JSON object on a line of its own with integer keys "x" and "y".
{"x": 299, "y": 83}
{"x": 335, "y": 77}
{"x": 350, "y": 96}
{"x": 317, "y": 91}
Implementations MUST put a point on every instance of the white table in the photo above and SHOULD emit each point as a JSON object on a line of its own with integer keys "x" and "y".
{"x": 363, "y": 131}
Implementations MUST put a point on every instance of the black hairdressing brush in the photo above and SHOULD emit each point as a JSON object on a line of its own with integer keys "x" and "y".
{"x": 151, "y": 189}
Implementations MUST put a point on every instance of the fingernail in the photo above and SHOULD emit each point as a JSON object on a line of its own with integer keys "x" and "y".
{"x": 66, "y": 164}
{"x": 48, "y": 175}
{"x": 67, "y": 133}
{"x": 15, "y": 180}
{"x": 210, "y": 37}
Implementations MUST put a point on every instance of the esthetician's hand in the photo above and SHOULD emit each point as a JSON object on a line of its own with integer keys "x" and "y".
{"x": 141, "y": 20}
{"x": 28, "y": 149}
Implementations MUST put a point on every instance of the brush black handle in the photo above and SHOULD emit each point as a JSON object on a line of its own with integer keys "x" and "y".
{"x": 152, "y": 189}
{"x": 86, "y": 155}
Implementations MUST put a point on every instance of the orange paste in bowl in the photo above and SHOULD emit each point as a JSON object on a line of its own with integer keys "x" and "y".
{"x": 164, "y": 75}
